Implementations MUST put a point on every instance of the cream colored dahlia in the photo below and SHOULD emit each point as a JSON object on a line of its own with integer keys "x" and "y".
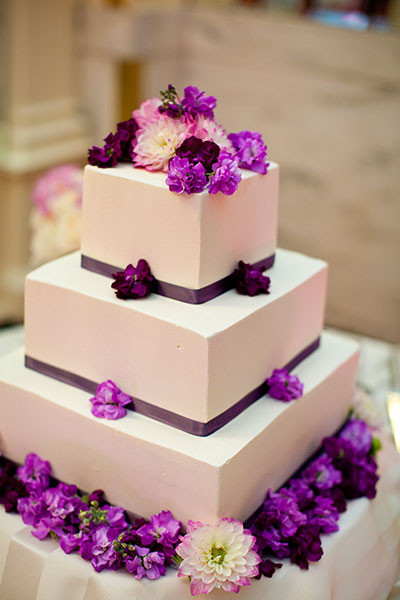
{"x": 157, "y": 142}
{"x": 217, "y": 556}
{"x": 209, "y": 130}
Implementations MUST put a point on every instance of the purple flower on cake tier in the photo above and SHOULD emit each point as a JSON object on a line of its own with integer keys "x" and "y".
{"x": 184, "y": 176}
{"x": 358, "y": 434}
{"x": 267, "y": 568}
{"x": 146, "y": 564}
{"x": 109, "y": 401}
{"x": 133, "y": 282}
{"x": 35, "y": 473}
{"x": 226, "y": 175}
{"x": 108, "y": 155}
{"x": 250, "y": 280}
{"x": 126, "y": 133}
{"x": 283, "y": 386}
{"x": 62, "y": 507}
{"x": 195, "y": 103}
{"x": 32, "y": 509}
{"x": 324, "y": 514}
{"x": 277, "y": 523}
{"x": 99, "y": 549}
{"x": 322, "y": 474}
{"x": 306, "y": 546}
{"x": 299, "y": 490}
{"x": 11, "y": 488}
{"x": 250, "y": 150}
{"x": 220, "y": 556}
{"x": 195, "y": 150}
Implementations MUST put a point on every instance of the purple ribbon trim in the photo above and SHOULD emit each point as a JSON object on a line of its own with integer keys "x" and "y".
{"x": 177, "y": 292}
{"x": 162, "y": 414}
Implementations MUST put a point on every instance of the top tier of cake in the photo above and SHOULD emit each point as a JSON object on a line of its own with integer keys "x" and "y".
{"x": 190, "y": 241}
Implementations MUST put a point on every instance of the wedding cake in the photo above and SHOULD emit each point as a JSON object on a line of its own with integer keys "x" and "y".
{"x": 178, "y": 363}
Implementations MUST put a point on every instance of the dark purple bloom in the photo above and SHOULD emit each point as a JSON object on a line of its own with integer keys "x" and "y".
{"x": 108, "y": 155}
{"x": 226, "y": 175}
{"x": 267, "y": 568}
{"x": 146, "y": 564}
{"x": 250, "y": 150}
{"x": 126, "y": 133}
{"x": 97, "y": 496}
{"x": 195, "y": 150}
{"x": 170, "y": 103}
{"x": 11, "y": 488}
{"x": 322, "y": 474}
{"x": 184, "y": 176}
{"x": 324, "y": 514}
{"x": 358, "y": 434}
{"x": 109, "y": 401}
{"x": 163, "y": 528}
{"x": 250, "y": 280}
{"x": 305, "y": 546}
{"x": 196, "y": 103}
{"x": 283, "y": 386}
{"x": 35, "y": 473}
{"x": 133, "y": 282}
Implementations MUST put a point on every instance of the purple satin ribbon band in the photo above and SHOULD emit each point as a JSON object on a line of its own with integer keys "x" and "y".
{"x": 162, "y": 414}
{"x": 177, "y": 292}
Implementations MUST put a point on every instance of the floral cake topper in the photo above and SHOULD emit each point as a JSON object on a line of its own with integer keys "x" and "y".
{"x": 179, "y": 135}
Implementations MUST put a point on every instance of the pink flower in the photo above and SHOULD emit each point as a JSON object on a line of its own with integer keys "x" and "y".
{"x": 208, "y": 130}
{"x": 219, "y": 556}
{"x": 54, "y": 183}
{"x": 147, "y": 113}
{"x": 157, "y": 142}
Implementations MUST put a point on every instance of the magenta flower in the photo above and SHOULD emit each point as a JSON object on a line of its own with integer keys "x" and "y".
{"x": 250, "y": 280}
{"x": 35, "y": 473}
{"x": 133, "y": 282}
{"x": 226, "y": 175}
{"x": 146, "y": 564}
{"x": 250, "y": 151}
{"x": 184, "y": 176}
{"x": 283, "y": 386}
{"x": 358, "y": 434}
{"x": 322, "y": 474}
{"x": 199, "y": 151}
{"x": 195, "y": 103}
{"x": 162, "y": 528}
{"x": 109, "y": 401}
{"x": 220, "y": 556}
{"x": 108, "y": 155}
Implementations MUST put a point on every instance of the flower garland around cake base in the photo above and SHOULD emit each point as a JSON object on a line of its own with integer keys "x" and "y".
{"x": 224, "y": 555}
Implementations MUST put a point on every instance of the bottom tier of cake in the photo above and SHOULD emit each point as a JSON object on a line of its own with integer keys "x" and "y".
{"x": 360, "y": 561}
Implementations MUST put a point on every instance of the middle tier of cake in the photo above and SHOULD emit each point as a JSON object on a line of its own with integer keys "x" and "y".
{"x": 195, "y": 367}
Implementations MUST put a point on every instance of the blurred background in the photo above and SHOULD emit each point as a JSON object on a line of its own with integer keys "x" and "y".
{"x": 320, "y": 79}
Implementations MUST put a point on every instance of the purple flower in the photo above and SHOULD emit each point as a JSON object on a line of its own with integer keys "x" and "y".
{"x": 126, "y": 133}
{"x": 322, "y": 474}
{"x": 324, "y": 515}
{"x": 196, "y": 103}
{"x": 108, "y": 155}
{"x": 133, "y": 282}
{"x": 195, "y": 150}
{"x": 146, "y": 564}
{"x": 11, "y": 488}
{"x": 32, "y": 509}
{"x": 358, "y": 434}
{"x": 109, "y": 401}
{"x": 35, "y": 473}
{"x": 305, "y": 546}
{"x": 60, "y": 506}
{"x": 267, "y": 568}
{"x": 250, "y": 150}
{"x": 226, "y": 175}
{"x": 250, "y": 280}
{"x": 99, "y": 548}
{"x": 184, "y": 176}
{"x": 277, "y": 524}
{"x": 163, "y": 528}
{"x": 283, "y": 386}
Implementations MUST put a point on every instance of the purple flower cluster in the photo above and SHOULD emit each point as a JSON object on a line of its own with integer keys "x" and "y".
{"x": 283, "y": 386}
{"x": 109, "y": 401}
{"x": 133, "y": 282}
{"x": 198, "y": 165}
{"x": 117, "y": 146}
{"x": 98, "y": 532}
{"x": 250, "y": 151}
{"x": 250, "y": 280}
{"x": 292, "y": 520}
{"x": 193, "y": 103}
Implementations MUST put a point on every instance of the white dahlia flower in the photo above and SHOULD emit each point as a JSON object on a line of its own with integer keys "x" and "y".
{"x": 217, "y": 556}
{"x": 157, "y": 142}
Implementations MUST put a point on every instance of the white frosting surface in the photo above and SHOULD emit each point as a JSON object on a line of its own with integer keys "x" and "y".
{"x": 196, "y": 361}
{"x": 146, "y": 466}
{"x": 190, "y": 241}
{"x": 360, "y": 561}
